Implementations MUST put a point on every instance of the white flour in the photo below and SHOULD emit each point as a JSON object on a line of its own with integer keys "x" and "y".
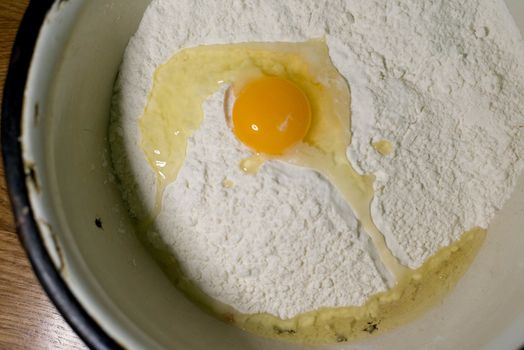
{"x": 441, "y": 80}
{"x": 445, "y": 86}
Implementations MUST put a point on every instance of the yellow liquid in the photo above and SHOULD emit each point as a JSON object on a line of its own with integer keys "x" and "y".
{"x": 174, "y": 112}
{"x": 383, "y": 147}
{"x": 228, "y": 183}
{"x": 251, "y": 164}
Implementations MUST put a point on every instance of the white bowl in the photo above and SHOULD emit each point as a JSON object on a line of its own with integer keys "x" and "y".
{"x": 80, "y": 240}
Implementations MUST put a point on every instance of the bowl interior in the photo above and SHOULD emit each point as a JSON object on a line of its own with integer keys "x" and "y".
{"x": 88, "y": 232}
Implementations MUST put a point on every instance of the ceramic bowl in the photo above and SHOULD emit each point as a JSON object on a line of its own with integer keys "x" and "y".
{"x": 79, "y": 236}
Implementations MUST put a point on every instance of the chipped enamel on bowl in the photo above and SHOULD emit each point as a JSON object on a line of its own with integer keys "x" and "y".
{"x": 78, "y": 235}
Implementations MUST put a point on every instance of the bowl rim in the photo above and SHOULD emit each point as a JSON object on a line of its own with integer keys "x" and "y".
{"x": 88, "y": 329}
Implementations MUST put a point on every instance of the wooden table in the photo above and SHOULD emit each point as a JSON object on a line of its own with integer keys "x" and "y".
{"x": 28, "y": 320}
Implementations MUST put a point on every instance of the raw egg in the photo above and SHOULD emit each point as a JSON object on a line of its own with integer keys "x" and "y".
{"x": 284, "y": 102}
{"x": 270, "y": 115}
{"x": 288, "y": 102}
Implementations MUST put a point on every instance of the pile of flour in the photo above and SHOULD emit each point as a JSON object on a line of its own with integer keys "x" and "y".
{"x": 442, "y": 81}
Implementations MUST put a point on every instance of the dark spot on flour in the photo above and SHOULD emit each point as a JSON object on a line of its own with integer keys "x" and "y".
{"x": 371, "y": 327}
{"x": 341, "y": 338}
{"x": 281, "y": 331}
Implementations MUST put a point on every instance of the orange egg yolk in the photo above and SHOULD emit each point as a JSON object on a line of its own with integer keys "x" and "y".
{"x": 270, "y": 115}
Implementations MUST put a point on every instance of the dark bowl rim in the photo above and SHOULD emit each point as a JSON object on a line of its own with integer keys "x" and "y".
{"x": 29, "y": 234}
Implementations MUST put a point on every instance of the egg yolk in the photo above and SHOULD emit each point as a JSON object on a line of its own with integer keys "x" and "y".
{"x": 270, "y": 115}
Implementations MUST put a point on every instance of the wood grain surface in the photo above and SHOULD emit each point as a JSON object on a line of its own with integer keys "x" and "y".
{"x": 28, "y": 320}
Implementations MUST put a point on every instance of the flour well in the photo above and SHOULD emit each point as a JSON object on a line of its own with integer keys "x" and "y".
{"x": 250, "y": 245}
{"x": 441, "y": 82}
